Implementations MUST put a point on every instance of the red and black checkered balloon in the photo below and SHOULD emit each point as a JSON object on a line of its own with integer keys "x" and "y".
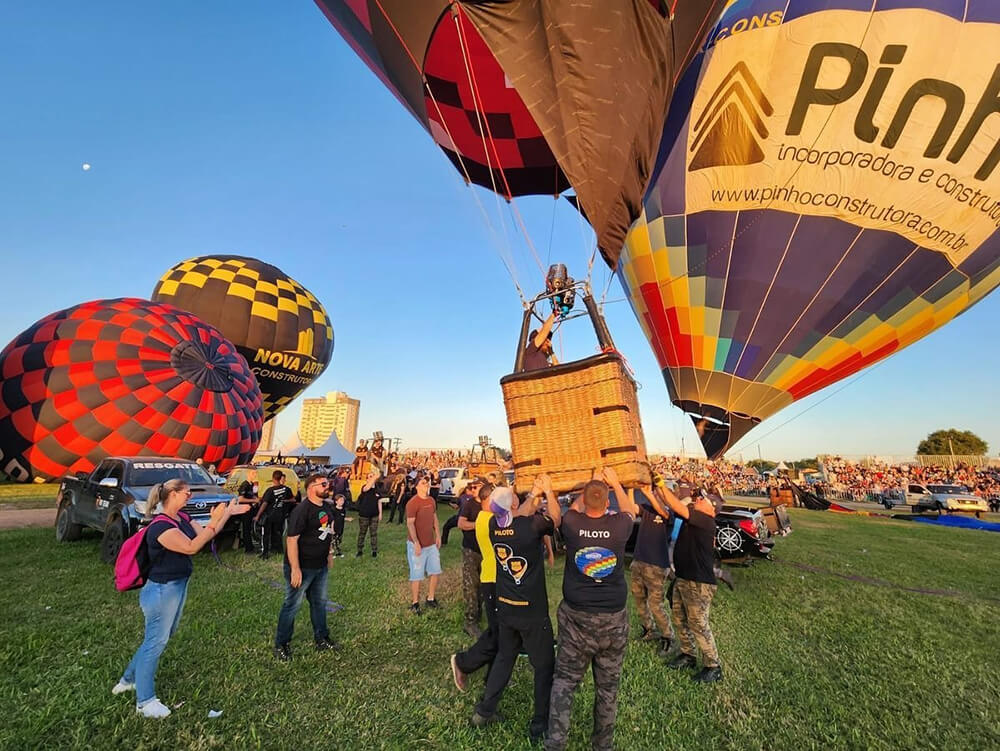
{"x": 123, "y": 377}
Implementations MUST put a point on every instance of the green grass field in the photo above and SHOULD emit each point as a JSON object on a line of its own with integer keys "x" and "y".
{"x": 28, "y": 495}
{"x": 812, "y": 660}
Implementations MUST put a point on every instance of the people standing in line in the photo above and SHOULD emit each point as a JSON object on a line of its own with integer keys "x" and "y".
{"x": 695, "y": 583}
{"x": 339, "y": 517}
{"x": 247, "y": 492}
{"x": 369, "y": 514}
{"x": 472, "y": 560}
{"x": 593, "y": 619}
{"x": 423, "y": 545}
{"x": 308, "y": 556}
{"x": 171, "y": 539}
{"x": 484, "y": 651}
{"x": 522, "y": 601}
{"x": 271, "y": 512}
{"x": 650, "y": 564}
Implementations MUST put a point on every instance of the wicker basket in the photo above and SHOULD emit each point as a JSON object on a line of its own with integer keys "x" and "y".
{"x": 572, "y": 419}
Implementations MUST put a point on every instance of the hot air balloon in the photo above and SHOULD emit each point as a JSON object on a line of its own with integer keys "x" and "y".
{"x": 276, "y": 324}
{"x": 535, "y": 96}
{"x": 123, "y": 377}
{"x": 826, "y": 193}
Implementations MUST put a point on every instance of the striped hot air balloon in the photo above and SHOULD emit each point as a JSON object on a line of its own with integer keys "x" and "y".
{"x": 827, "y": 192}
{"x": 123, "y": 377}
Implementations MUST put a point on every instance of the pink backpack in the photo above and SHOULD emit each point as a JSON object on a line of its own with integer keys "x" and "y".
{"x": 133, "y": 562}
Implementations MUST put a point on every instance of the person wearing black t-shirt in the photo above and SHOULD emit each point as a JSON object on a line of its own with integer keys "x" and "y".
{"x": 339, "y": 517}
{"x": 307, "y": 563}
{"x": 272, "y": 511}
{"x": 522, "y": 601}
{"x": 650, "y": 563}
{"x": 247, "y": 492}
{"x": 369, "y": 514}
{"x": 468, "y": 510}
{"x": 593, "y": 620}
{"x": 695, "y": 585}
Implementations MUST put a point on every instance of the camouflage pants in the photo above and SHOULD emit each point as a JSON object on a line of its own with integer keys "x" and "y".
{"x": 471, "y": 561}
{"x": 366, "y": 525}
{"x": 647, "y": 588}
{"x": 587, "y": 640}
{"x": 689, "y": 608}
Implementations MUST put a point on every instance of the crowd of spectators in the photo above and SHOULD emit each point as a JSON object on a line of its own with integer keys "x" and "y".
{"x": 876, "y": 480}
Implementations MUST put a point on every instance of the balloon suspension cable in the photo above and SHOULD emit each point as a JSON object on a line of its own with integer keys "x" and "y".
{"x": 481, "y": 121}
{"x": 509, "y": 265}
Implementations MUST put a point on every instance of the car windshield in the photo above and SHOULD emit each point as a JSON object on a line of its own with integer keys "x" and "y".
{"x": 448, "y": 474}
{"x": 948, "y": 489}
{"x": 150, "y": 473}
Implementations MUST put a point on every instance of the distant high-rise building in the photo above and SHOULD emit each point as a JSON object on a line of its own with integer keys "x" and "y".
{"x": 335, "y": 413}
{"x": 267, "y": 436}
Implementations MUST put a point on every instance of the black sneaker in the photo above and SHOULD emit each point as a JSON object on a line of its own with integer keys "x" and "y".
{"x": 682, "y": 662}
{"x": 324, "y": 644}
{"x": 665, "y": 643}
{"x": 283, "y": 652}
{"x": 708, "y": 675}
{"x": 535, "y": 737}
{"x": 432, "y": 604}
{"x": 415, "y": 609}
{"x": 374, "y": 554}
{"x": 360, "y": 553}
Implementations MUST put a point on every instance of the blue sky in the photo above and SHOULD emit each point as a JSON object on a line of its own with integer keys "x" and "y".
{"x": 251, "y": 128}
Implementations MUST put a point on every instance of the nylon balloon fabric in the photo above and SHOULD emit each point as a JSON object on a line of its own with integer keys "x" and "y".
{"x": 277, "y": 324}
{"x": 533, "y": 96}
{"x": 826, "y": 193}
{"x": 123, "y": 377}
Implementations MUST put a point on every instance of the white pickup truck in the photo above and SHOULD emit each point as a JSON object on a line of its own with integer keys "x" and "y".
{"x": 944, "y": 499}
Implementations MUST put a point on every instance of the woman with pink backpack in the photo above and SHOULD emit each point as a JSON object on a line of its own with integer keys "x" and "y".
{"x": 170, "y": 539}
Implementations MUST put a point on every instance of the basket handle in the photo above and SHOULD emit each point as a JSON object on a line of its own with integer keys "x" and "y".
{"x": 596, "y": 319}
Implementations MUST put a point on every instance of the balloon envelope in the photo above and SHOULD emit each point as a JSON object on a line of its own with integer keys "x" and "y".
{"x": 533, "y": 96}
{"x": 276, "y": 324}
{"x": 123, "y": 377}
{"x": 826, "y": 193}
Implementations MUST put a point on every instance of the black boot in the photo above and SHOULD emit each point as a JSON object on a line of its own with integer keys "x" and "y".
{"x": 708, "y": 675}
{"x": 665, "y": 643}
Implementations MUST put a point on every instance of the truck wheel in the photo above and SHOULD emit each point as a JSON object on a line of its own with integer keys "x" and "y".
{"x": 66, "y": 529}
{"x": 114, "y": 537}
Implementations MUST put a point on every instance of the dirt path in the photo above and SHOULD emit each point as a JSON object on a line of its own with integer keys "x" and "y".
{"x": 14, "y": 518}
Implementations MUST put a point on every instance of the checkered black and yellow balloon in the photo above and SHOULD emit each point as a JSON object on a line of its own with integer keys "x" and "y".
{"x": 277, "y": 324}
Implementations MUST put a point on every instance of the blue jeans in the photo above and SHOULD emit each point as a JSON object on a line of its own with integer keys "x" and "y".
{"x": 313, "y": 588}
{"x": 162, "y": 604}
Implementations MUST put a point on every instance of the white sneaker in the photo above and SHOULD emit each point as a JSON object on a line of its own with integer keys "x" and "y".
{"x": 122, "y": 687}
{"x": 153, "y": 708}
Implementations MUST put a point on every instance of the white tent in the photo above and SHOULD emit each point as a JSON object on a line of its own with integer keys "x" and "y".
{"x": 781, "y": 467}
{"x": 331, "y": 452}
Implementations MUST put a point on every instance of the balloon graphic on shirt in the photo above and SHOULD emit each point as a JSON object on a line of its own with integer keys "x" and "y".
{"x": 503, "y": 553}
{"x": 595, "y": 562}
{"x": 517, "y": 567}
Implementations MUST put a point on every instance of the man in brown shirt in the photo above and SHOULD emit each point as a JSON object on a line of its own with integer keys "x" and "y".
{"x": 423, "y": 544}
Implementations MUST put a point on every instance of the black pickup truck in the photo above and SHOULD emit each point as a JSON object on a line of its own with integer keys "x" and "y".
{"x": 112, "y": 498}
